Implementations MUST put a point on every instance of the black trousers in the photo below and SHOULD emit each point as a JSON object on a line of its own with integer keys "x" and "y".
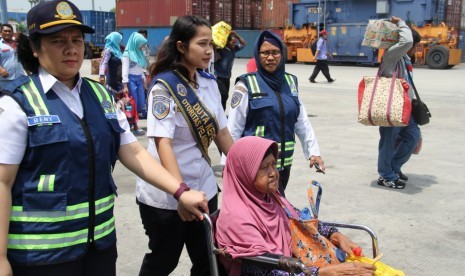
{"x": 223, "y": 86}
{"x": 93, "y": 263}
{"x": 321, "y": 65}
{"x": 284, "y": 175}
{"x": 167, "y": 235}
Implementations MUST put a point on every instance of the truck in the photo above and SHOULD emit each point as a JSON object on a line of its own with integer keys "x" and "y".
{"x": 103, "y": 23}
{"x": 346, "y": 23}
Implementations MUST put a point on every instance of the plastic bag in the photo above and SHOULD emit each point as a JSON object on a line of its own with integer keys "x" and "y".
{"x": 382, "y": 269}
{"x": 380, "y": 34}
{"x": 220, "y": 33}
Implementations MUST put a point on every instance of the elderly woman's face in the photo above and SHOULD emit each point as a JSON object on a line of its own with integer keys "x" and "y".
{"x": 61, "y": 54}
{"x": 267, "y": 178}
{"x": 270, "y": 56}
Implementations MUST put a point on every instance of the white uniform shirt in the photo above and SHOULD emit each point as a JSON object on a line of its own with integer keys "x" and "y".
{"x": 130, "y": 68}
{"x": 13, "y": 120}
{"x": 240, "y": 109}
{"x": 195, "y": 170}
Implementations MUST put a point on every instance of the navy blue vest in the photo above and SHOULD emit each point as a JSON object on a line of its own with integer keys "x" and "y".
{"x": 114, "y": 74}
{"x": 273, "y": 114}
{"x": 63, "y": 195}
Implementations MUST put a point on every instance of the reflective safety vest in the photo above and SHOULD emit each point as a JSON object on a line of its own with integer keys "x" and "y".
{"x": 273, "y": 114}
{"x": 63, "y": 195}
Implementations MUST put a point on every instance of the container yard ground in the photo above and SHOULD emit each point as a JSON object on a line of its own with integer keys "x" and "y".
{"x": 420, "y": 229}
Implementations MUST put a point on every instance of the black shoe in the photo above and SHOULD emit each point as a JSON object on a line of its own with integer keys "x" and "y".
{"x": 332, "y": 80}
{"x": 394, "y": 184}
{"x": 402, "y": 176}
{"x": 312, "y": 81}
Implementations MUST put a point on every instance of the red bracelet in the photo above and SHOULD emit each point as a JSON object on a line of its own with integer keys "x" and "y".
{"x": 182, "y": 188}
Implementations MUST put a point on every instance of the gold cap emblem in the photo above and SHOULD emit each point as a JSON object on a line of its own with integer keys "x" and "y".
{"x": 64, "y": 11}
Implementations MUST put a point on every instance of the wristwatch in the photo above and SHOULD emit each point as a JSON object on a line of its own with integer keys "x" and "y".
{"x": 182, "y": 188}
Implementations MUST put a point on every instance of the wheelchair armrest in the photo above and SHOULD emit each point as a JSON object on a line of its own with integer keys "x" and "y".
{"x": 371, "y": 232}
{"x": 282, "y": 262}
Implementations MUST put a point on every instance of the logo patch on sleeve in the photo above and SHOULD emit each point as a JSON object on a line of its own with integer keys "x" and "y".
{"x": 160, "y": 106}
{"x": 236, "y": 99}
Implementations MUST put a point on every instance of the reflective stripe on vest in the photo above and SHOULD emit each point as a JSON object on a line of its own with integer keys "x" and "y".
{"x": 254, "y": 86}
{"x": 40, "y": 109}
{"x": 72, "y": 212}
{"x": 260, "y": 132}
{"x": 34, "y": 98}
{"x": 52, "y": 241}
{"x": 104, "y": 98}
{"x": 46, "y": 183}
{"x": 288, "y": 146}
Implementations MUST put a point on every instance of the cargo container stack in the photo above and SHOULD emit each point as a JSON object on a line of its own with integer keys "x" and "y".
{"x": 462, "y": 32}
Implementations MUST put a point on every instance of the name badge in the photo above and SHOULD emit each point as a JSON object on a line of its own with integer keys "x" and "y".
{"x": 44, "y": 119}
{"x": 110, "y": 115}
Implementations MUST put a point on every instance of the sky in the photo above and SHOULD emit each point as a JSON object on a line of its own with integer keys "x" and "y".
{"x": 24, "y": 5}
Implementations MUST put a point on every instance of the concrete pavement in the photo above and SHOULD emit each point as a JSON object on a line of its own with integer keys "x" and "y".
{"x": 421, "y": 229}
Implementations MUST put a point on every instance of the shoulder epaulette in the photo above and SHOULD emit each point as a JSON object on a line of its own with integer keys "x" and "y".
{"x": 206, "y": 75}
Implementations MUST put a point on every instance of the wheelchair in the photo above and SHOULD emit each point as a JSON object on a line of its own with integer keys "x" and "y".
{"x": 276, "y": 261}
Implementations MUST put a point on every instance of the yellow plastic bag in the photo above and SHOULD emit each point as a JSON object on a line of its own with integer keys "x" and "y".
{"x": 382, "y": 269}
{"x": 220, "y": 33}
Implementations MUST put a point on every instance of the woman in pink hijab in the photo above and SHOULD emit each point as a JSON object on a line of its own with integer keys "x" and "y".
{"x": 251, "y": 223}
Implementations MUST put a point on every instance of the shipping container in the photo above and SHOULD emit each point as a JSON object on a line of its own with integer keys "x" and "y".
{"x": 199, "y": 7}
{"x": 242, "y": 14}
{"x": 17, "y": 16}
{"x": 462, "y": 25}
{"x": 256, "y": 7}
{"x": 249, "y": 36}
{"x": 102, "y": 22}
{"x": 462, "y": 43}
{"x": 222, "y": 11}
{"x": 454, "y": 13}
{"x": 149, "y": 13}
{"x": 276, "y": 13}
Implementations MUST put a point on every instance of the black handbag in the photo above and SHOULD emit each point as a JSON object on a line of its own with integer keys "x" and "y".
{"x": 420, "y": 111}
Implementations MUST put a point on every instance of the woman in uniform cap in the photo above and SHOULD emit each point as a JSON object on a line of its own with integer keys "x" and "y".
{"x": 65, "y": 135}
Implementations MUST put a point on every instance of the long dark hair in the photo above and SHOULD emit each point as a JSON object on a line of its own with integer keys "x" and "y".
{"x": 168, "y": 58}
{"x": 25, "y": 53}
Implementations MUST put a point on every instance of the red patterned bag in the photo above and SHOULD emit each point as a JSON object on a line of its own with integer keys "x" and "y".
{"x": 384, "y": 101}
{"x": 308, "y": 244}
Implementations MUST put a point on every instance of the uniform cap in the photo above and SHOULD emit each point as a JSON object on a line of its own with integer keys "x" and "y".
{"x": 54, "y": 16}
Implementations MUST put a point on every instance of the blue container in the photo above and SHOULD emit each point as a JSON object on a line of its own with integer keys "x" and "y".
{"x": 462, "y": 43}
{"x": 249, "y": 36}
{"x": 102, "y": 22}
{"x": 345, "y": 43}
{"x": 18, "y": 16}
{"x": 155, "y": 36}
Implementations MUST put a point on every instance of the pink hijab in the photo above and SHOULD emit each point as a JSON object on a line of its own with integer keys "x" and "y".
{"x": 250, "y": 223}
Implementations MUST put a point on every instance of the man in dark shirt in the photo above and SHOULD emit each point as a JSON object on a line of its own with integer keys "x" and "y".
{"x": 224, "y": 64}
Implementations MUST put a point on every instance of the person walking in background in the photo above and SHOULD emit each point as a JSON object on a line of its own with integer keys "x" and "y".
{"x": 185, "y": 117}
{"x": 65, "y": 135}
{"x": 134, "y": 63}
{"x": 321, "y": 57}
{"x": 266, "y": 103}
{"x": 224, "y": 63}
{"x": 10, "y": 68}
{"x": 110, "y": 69}
{"x": 146, "y": 48}
{"x": 392, "y": 156}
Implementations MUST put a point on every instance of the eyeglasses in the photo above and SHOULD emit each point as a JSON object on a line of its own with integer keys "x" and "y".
{"x": 274, "y": 53}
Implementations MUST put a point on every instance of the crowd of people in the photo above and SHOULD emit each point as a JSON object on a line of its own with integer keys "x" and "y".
{"x": 66, "y": 133}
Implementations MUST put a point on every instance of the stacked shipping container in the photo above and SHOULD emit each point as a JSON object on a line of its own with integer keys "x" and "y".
{"x": 240, "y": 14}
